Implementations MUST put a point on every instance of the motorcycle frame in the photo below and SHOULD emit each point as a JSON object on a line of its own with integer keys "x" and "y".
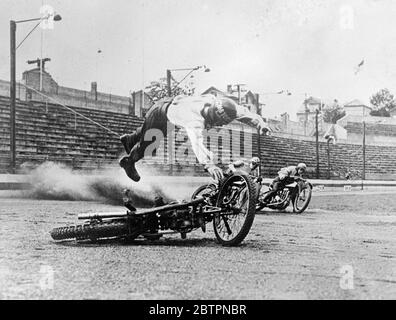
{"x": 156, "y": 210}
{"x": 201, "y": 204}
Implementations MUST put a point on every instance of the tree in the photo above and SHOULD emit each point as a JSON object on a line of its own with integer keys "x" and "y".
{"x": 158, "y": 89}
{"x": 383, "y": 102}
{"x": 333, "y": 112}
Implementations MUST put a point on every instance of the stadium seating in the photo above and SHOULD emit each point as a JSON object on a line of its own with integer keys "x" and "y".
{"x": 371, "y": 128}
{"x": 48, "y": 132}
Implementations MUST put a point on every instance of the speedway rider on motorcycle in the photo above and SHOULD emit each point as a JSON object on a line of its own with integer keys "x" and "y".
{"x": 285, "y": 176}
{"x": 194, "y": 114}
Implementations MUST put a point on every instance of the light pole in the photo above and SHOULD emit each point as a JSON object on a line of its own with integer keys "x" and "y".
{"x": 259, "y": 111}
{"x": 328, "y": 159}
{"x": 239, "y": 90}
{"x": 317, "y": 141}
{"x": 316, "y": 129}
{"x": 13, "y": 49}
{"x": 363, "y": 148}
{"x": 12, "y": 94}
{"x": 329, "y": 138}
{"x": 169, "y": 77}
{"x": 257, "y": 98}
{"x": 364, "y": 152}
{"x": 364, "y": 123}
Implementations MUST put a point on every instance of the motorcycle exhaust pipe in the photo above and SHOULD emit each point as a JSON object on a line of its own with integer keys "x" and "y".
{"x": 102, "y": 215}
{"x": 277, "y": 203}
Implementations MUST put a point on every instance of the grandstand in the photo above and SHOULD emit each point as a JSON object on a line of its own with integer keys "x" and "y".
{"x": 280, "y": 151}
{"x": 371, "y": 129}
{"x": 49, "y": 132}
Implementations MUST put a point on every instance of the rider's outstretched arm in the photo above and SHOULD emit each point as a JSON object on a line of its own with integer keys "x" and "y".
{"x": 204, "y": 156}
{"x": 244, "y": 115}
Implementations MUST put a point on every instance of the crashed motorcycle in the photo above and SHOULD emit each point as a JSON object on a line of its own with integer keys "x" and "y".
{"x": 230, "y": 205}
{"x": 298, "y": 194}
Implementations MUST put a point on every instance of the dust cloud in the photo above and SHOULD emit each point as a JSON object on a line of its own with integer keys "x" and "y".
{"x": 54, "y": 181}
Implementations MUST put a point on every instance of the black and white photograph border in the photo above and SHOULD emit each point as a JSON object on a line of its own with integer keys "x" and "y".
{"x": 212, "y": 150}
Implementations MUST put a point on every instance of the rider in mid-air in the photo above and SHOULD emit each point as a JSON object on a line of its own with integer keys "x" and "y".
{"x": 285, "y": 176}
{"x": 194, "y": 114}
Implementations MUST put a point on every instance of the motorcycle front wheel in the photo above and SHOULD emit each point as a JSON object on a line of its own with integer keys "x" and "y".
{"x": 302, "y": 199}
{"x": 238, "y": 197}
{"x": 207, "y": 188}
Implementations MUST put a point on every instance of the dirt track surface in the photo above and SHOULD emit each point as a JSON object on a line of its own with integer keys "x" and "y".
{"x": 286, "y": 256}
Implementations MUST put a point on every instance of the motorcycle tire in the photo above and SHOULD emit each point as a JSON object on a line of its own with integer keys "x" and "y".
{"x": 296, "y": 207}
{"x": 249, "y": 215}
{"x": 92, "y": 231}
{"x": 201, "y": 189}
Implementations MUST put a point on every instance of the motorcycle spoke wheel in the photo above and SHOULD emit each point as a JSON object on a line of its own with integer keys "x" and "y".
{"x": 202, "y": 190}
{"x": 230, "y": 225}
{"x": 239, "y": 194}
{"x": 92, "y": 231}
{"x": 302, "y": 200}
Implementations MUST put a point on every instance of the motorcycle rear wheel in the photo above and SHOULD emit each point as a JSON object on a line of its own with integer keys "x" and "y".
{"x": 93, "y": 231}
{"x": 232, "y": 229}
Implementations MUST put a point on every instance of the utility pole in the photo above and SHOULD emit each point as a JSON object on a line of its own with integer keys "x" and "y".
{"x": 13, "y": 49}
{"x": 328, "y": 159}
{"x": 317, "y": 142}
{"x": 306, "y": 115}
{"x": 42, "y": 63}
{"x": 169, "y": 82}
{"x": 239, "y": 90}
{"x": 364, "y": 153}
{"x": 258, "y": 135}
{"x": 12, "y": 95}
{"x": 259, "y": 111}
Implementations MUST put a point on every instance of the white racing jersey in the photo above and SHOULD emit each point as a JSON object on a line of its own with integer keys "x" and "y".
{"x": 185, "y": 111}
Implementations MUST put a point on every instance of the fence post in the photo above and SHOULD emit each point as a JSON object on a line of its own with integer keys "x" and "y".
{"x": 364, "y": 153}
{"x": 317, "y": 143}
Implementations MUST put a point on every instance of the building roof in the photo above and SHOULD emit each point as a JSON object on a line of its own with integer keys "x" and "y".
{"x": 313, "y": 100}
{"x": 252, "y": 96}
{"x": 36, "y": 70}
{"x": 220, "y": 93}
{"x": 214, "y": 89}
{"x": 304, "y": 108}
{"x": 356, "y": 103}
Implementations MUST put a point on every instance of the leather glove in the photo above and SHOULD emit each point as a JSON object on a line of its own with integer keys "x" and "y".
{"x": 263, "y": 127}
{"x": 215, "y": 172}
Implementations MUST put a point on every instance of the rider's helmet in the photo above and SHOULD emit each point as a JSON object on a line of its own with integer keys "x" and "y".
{"x": 301, "y": 167}
{"x": 254, "y": 162}
{"x": 222, "y": 113}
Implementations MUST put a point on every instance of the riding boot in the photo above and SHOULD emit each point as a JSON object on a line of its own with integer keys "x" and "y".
{"x": 129, "y": 141}
{"x": 128, "y": 163}
{"x": 267, "y": 198}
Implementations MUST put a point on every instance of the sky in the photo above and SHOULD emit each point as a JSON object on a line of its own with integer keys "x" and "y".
{"x": 308, "y": 47}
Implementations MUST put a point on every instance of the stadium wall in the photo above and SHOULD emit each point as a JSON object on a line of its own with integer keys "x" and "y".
{"x": 92, "y": 99}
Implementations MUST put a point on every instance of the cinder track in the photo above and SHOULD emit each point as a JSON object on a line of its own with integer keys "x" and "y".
{"x": 285, "y": 256}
